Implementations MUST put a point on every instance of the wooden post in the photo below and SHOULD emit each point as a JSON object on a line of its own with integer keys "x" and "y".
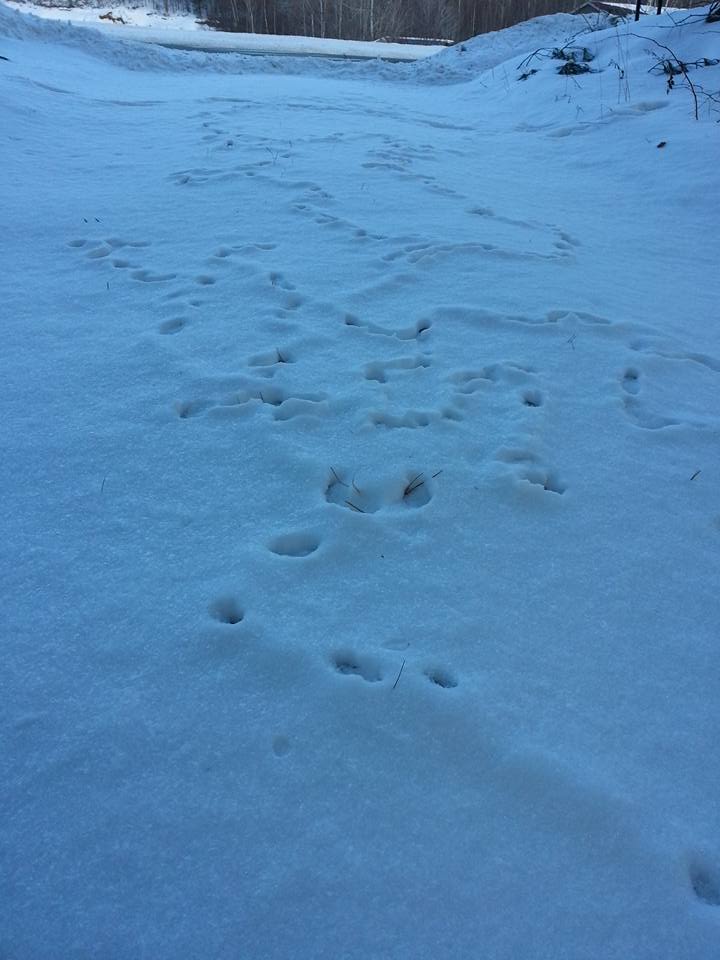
{"x": 637, "y": 10}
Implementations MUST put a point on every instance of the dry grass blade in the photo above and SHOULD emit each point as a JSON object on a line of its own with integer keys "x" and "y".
{"x": 413, "y": 485}
{"x": 337, "y": 478}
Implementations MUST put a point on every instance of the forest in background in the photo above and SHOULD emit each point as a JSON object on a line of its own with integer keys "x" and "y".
{"x": 452, "y": 20}
{"x": 371, "y": 19}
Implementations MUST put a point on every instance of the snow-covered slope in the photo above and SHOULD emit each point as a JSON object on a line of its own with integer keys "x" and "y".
{"x": 124, "y": 14}
{"x": 361, "y": 521}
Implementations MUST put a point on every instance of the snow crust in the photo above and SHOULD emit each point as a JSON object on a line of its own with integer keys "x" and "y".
{"x": 361, "y": 523}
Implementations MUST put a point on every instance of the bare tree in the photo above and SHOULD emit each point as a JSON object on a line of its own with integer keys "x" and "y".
{"x": 368, "y": 19}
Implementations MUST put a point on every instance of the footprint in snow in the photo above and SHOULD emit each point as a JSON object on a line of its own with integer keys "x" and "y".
{"x": 301, "y": 544}
{"x": 348, "y": 663}
{"x": 227, "y": 609}
{"x": 441, "y": 677}
{"x": 175, "y": 325}
{"x": 527, "y": 469}
{"x": 412, "y": 489}
{"x": 630, "y": 381}
{"x": 416, "y": 331}
{"x": 705, "y": 883}
{"x": 380, "y": 369}
{"x": 635, "y": 410}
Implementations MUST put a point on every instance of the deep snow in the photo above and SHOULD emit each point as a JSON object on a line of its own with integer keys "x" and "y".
{"x": 315, "y": 373}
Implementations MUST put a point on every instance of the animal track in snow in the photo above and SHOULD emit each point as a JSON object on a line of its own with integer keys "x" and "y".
{"x": 408, "y": 421}
{"x": 705, "y": 882}
{"x": 147, "y": 276}
{"x": 199, "y": 175}
{"x": 587, "y": 319}
{"x": 99, "y": 253}
{"x": 527, "y": 468}
{"x": 412, "y": 489}
{"x": 244, "y": 251}
{"x": 253, "y": 397}
{"x": 631, "y": 381}
{"x": 100, "y": 250}
{"x": 470, "y": 381}
{"x": 427, "y": 253}
{"x": 378, "y": 370}
{"x": 561, "y": 239}
{"x": 227, "y": 610}
{"x": 441, "y": 677}
{"x": 352, "y": 231}
{"x": 415, "y": 332}
{"x": 292, "y": 301}
{"x": 399, "y": 160}
{"x": 384, "y": 158}
{"x": 349, "y": 663}
{"x": 186, "y": 409}
{"x": 542, "y": 477}
{"x": 289, "y": 405}
{"x": 277, "y": 279}
{"x": 175, "y": 325}
{"x": 106, "y": 246}
{"x": 681, "y": 384}
{"x": 645, "y": 418}
{"x": 274, "y": 359}
{"x": 532, "y": 398}
{"x": 108, "y": 250}
{"x": 654, "y": 349}
{"x": 294, "y": 544}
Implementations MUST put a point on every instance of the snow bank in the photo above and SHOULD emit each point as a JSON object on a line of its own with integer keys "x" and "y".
{"x": 248, "y": 43}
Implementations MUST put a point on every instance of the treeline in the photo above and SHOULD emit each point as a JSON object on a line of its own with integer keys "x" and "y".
{"x": 366, "y": 19}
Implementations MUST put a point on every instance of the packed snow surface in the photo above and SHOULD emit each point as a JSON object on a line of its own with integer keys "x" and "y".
{"x": 361, "y": 519}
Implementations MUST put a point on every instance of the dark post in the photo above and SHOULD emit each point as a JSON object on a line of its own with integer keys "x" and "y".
{"x": 637, "y": 10}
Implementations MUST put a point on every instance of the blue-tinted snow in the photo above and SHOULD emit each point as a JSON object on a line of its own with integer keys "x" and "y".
{"x": 360, "y": 523}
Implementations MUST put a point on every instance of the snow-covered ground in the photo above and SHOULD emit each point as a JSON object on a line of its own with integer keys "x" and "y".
{"x": 171, "y": 30}
{"x": 361, "y": 519}
{"x": 133, "y": 16}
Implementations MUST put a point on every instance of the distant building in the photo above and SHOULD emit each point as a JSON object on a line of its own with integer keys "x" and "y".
{"x": 597, "y": 6}
{"x": 628, "y": 9}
